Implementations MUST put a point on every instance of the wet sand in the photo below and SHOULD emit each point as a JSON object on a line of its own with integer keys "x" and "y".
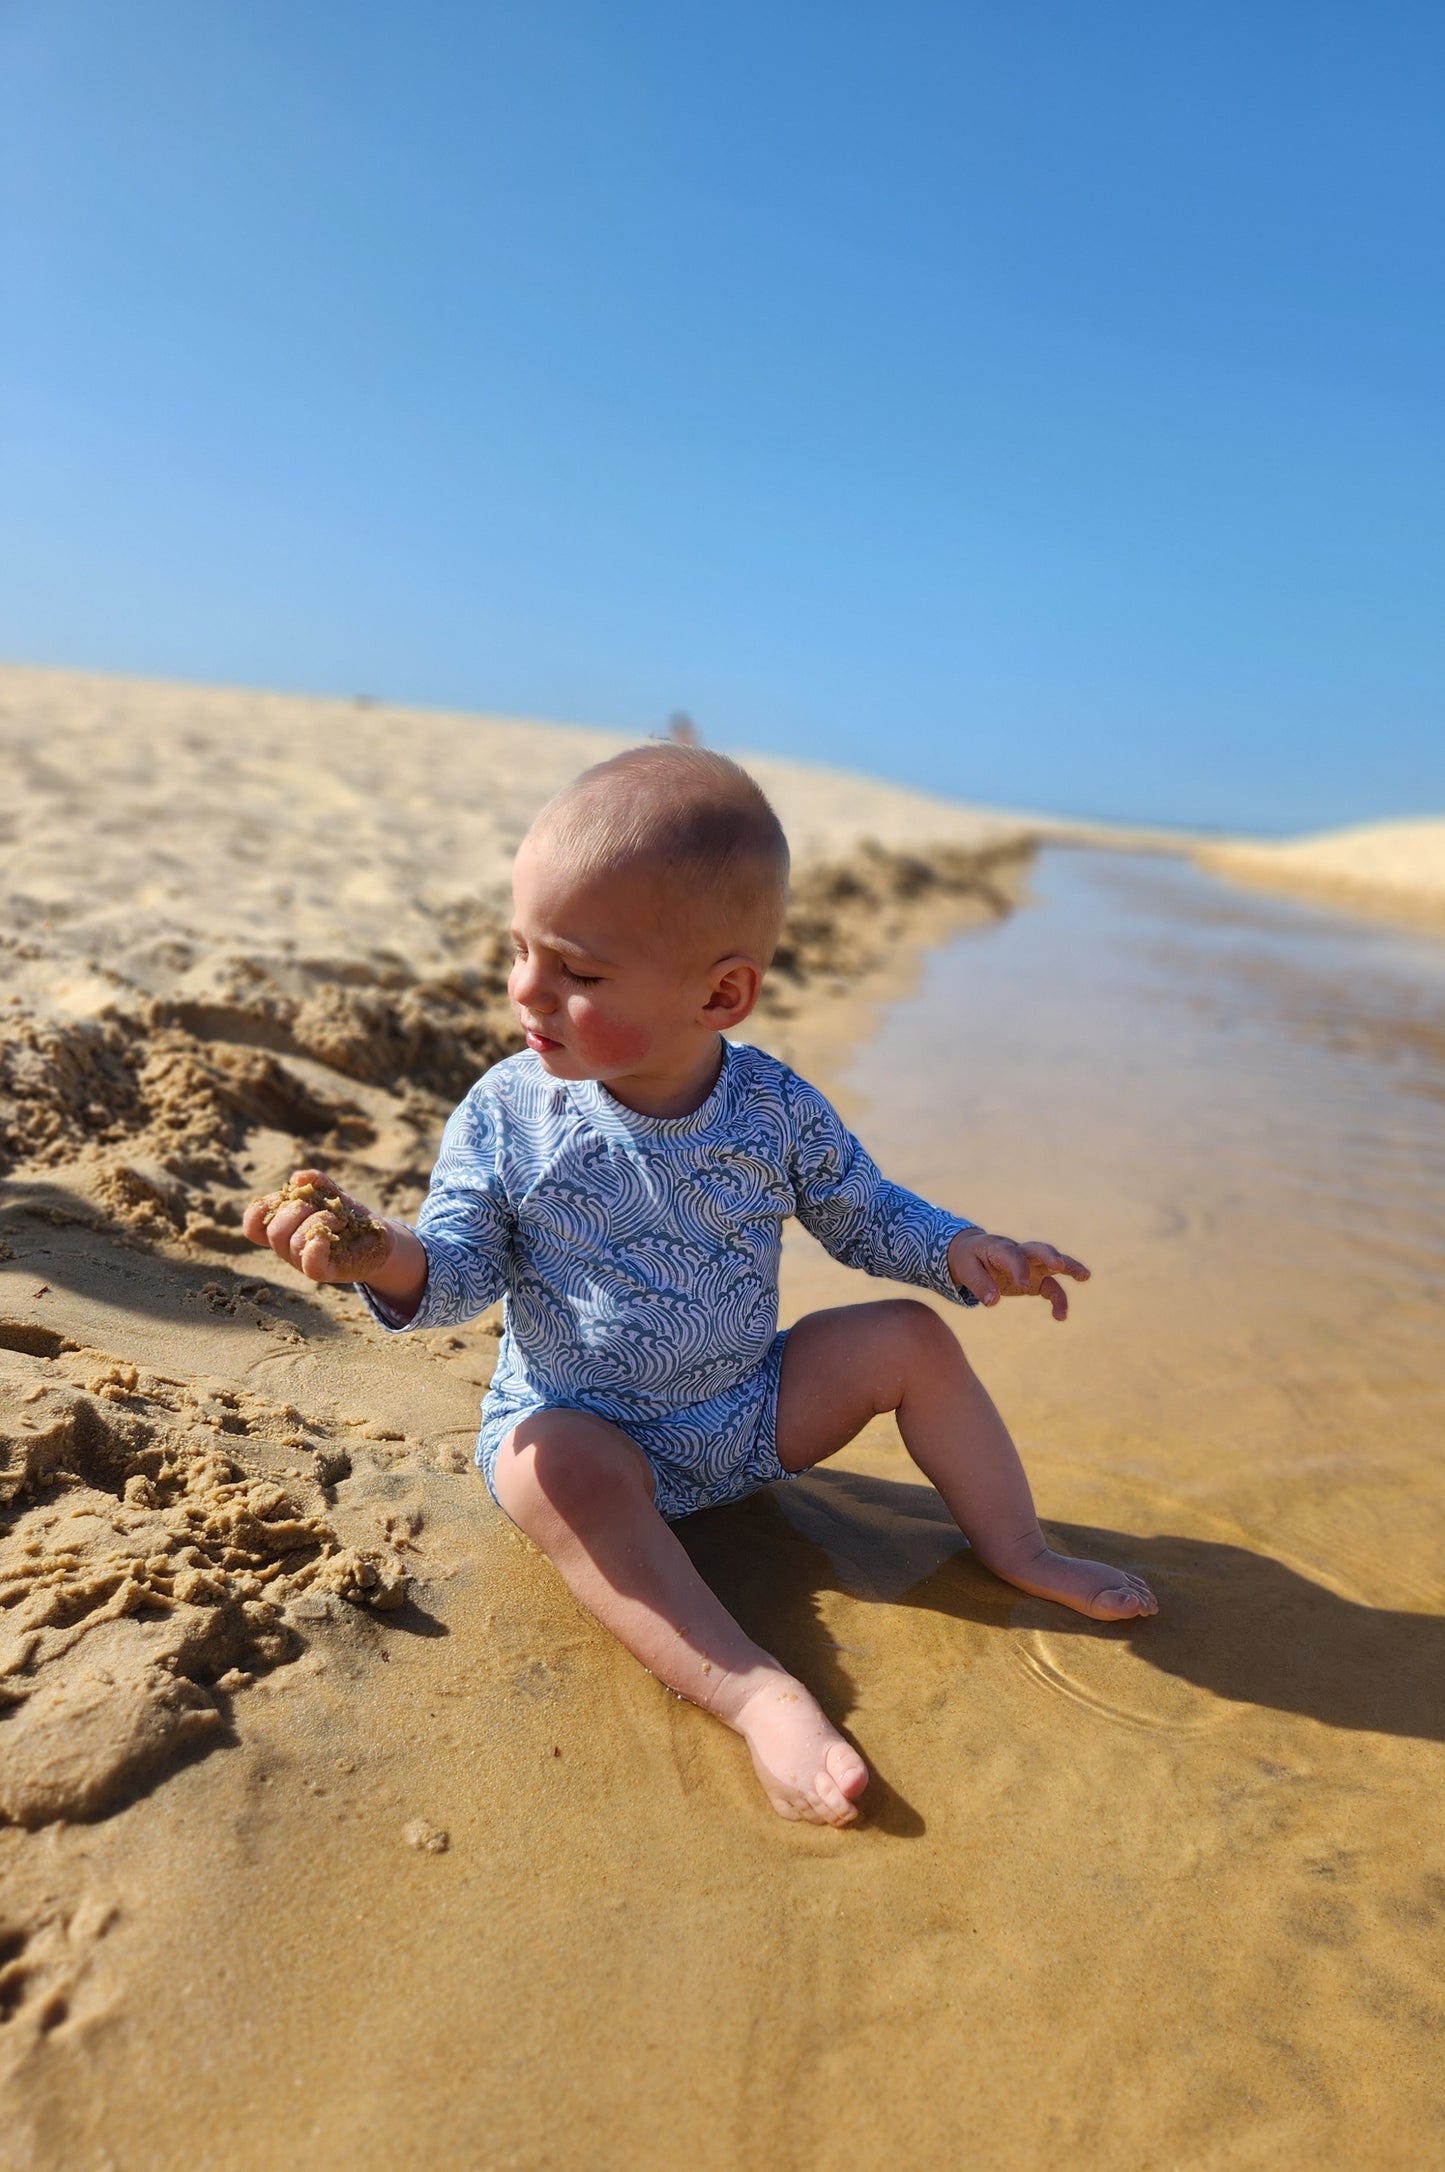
{"x": 1232, "y": 1109}
{"x": 449, "y": 1879}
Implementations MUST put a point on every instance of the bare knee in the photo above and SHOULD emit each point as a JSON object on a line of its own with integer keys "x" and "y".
{"x": 563, "y": 1472}
{"x": 913, "y": 1325}
{"x": 917, "y": 1342}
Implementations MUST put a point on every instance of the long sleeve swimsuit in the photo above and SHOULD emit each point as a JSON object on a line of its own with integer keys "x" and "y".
{"x": 638, "y": 1256}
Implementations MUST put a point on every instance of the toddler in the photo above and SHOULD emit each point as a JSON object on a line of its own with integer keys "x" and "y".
{"x": 623, "y": 1185}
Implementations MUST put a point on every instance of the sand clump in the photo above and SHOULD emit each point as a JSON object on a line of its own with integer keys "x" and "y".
{"x": 144, "y": 1566}
{"x": 153, "y": 1102}
{"x": 355, "y": 1238}
{"x": 426, "y": 1839}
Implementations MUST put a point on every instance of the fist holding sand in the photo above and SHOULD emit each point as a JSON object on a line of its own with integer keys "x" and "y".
{"x": 321, "y": 1230}
{"x": 330, "y": 1237}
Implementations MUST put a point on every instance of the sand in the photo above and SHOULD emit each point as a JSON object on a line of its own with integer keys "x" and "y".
{"x": 245, "y": 932}
{"x": 336, "y": 1836}
{"x": 1394, "y": 870}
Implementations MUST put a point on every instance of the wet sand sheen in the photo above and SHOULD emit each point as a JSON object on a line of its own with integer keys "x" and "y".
{"x": 1173, "y": 1891}
{"x": 1233, "y": 1112}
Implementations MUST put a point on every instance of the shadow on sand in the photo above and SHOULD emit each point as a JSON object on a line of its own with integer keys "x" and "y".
{"x": 1232, "y": 1622}
{"x": 68, "y": 1246}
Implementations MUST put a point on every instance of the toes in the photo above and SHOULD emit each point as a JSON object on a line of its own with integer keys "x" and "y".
{"x": 846, "y": 1769}
{"x": 1120, "y": 1603}
{"x": 803, "y": 1809}
{"x": 1123, "y": 1598}
{"x": 833, "y": 1805}
{"x": 830, "y": 1799}
{"x": 842, "y": 1779}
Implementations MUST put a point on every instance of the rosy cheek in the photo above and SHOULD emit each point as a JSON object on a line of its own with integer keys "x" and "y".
{"x": 609, "y": 1041}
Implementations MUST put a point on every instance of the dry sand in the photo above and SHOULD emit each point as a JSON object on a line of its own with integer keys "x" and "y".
{"x": 1394, "y": 870}
{"x": 337, "y": 1836}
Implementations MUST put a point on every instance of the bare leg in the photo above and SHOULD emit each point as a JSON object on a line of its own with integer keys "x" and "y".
{"x": 583, "y": 1492}
{"x": 844, "y": 1367}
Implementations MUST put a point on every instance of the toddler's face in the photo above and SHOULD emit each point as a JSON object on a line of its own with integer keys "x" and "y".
{"x": 598, "y": 989}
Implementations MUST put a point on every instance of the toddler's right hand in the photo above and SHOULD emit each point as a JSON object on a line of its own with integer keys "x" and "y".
{"x": 319, "y": 1229}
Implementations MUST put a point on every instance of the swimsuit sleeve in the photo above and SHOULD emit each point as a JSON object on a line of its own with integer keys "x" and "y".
{"x": 855, "y": 1213}
{"x": 465, "y": 1226}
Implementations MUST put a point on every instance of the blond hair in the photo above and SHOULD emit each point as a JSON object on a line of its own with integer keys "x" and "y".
{"x": 689, "y": 819}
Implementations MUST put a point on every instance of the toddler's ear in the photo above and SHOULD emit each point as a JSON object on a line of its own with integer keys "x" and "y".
{"x": 735, "y": 985}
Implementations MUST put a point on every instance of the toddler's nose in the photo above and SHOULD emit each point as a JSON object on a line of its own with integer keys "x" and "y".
{"x": 528, "y": 988}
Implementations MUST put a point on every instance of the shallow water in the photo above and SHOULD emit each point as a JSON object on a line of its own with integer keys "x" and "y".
{"x": 1142, "y": 1026}
{"x": 1233, "y": 1108}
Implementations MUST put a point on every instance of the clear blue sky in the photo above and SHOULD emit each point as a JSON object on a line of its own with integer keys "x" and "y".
{"x": 1040, "y": 402}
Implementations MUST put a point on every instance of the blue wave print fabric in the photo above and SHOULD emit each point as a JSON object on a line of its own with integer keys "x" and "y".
{"x": 637, "y": 1256}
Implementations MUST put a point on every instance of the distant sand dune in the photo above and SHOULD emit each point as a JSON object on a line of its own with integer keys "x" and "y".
{"x": 1396, "y": 869}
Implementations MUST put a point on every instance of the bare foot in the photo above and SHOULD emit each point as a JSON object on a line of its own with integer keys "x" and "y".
{"x": 808, "y": 1771}
{"x": 1089, "y": 1587}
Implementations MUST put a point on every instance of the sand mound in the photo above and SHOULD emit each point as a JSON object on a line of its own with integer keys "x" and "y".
{"x": 157, "y": 824}
{"x": 845, "y": 916}
{"x": 1396, "y": 869}
{"x": 143, "y": 1568}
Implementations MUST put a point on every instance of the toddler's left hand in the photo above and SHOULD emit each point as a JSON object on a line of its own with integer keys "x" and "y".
{"x": 992, "y": 1267}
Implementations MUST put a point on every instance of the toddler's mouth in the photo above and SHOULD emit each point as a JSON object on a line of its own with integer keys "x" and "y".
{"x": 539, "y": 1043}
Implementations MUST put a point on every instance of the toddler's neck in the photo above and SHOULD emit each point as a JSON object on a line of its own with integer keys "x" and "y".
{"x": 675, "y": 1089}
